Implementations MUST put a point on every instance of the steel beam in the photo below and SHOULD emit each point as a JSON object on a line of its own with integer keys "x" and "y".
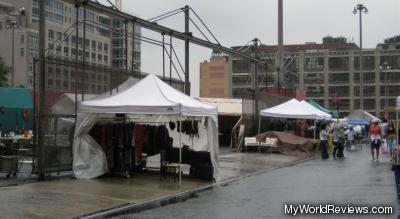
{"x": 168, "y": 31}
{"x": 187, "y": 65}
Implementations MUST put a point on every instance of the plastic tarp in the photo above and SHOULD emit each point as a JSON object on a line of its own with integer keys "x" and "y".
{"x": 361, "y": 114}
{"x": 290, "y": 144}
{"x": 357, "y": 122}
{"x": 293, "y": 109}
{"x": 150, "y": 98}
{"x": 226, "y": 106}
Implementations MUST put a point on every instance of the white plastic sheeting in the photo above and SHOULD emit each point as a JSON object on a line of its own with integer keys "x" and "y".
{"x": 150, "y": 99}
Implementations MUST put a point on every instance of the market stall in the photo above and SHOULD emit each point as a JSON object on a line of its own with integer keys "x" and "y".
{"x": 294, "y": 109}
{"x": 150, "y": 100}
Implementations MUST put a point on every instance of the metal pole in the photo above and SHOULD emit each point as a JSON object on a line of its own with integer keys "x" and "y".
{"x": 386, "y": 93}
{"x": 133, "y": 47}
{"x": 170, "y": 60}
{"x": 34, "y": 102}
{"x": 337, "y": 106}
{"x": 84, "y": 52}
{"x": 12, "y": 56}
{"x": 42, "y": 89}
{"x": 397, "y": 130}
{"x": 77, "y": 6}
{"x": 256, "y": 96}
{"x": 187, "y": 88}
{"x": 280, "y": 41}
{"x": 126, "y": 44}
{"x": 163, "y": 55}
{"x": 180, "y": 144}
{"x": 361, "y": 67}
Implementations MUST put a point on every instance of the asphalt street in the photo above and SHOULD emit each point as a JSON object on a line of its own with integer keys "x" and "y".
{"x": 354, "y": 180}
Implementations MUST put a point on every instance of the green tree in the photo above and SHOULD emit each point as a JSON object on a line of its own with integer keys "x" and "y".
{"x": 4, "y": 71}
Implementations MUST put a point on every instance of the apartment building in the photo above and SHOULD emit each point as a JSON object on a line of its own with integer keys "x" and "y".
{"x": 61, "y": 44}
{"x": 215, "y": 76}
{"x": 327, "y": 69}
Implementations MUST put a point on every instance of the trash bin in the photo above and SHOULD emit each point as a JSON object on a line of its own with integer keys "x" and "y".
{"x": 396, "y": 170}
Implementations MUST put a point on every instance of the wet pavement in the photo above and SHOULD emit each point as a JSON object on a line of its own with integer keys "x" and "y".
{"x": 354, "y": 180}
{"x": 69, "y": 198}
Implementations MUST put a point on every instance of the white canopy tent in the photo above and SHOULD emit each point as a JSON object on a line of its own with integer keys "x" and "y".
{"x": 320, "y": 113}
{"x": 294, "y": 109}
{"x": 150, "y": 96}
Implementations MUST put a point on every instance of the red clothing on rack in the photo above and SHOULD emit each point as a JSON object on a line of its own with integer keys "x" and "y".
{"x": 139, "y": 136}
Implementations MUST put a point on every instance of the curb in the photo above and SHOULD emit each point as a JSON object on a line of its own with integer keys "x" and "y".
{"x": 181, "y": 196}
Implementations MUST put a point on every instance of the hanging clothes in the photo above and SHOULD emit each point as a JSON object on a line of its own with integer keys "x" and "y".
{"x": 139, "y": 137}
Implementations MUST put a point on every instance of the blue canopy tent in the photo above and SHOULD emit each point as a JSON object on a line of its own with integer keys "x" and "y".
{"x": 16, "y": 109}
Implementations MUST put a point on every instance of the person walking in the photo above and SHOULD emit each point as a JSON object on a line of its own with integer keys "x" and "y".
{"x": 338, "y": 142}
{"x": 375, "y": 136}
{"x": 323, "y": 137}
{"x": 350, "y": 133}
{"x": 391, "y": 138}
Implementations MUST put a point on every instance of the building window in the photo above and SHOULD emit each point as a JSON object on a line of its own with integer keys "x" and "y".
{"x": 65, "y": 74}
{"x": 99, "y": 46}
{"x": 65, "y": 85}
{"x": 241, "y": 66}
{"x": 99, "y": 57}
{"x": 58, "y": 73}
{"x": 73, "y": 40}
{"x": 338, "y": 63}
{"x": 313, "y": 64}
{"x": 66, "y": 40}
{"x": 87, "y": 43}
{"x": 22, "y": 39}
{"x": 93, "y": 57}
{"x": 93, "y": 45}
{"x": 66, "y": 51}
{"x": 51, "y": 35}
{"x": 50, "y": 83}
{"x": 58, "y": 34}
{"x": 105, "y": 47}
{"x": 58, "y": 85}
{"x": 80, "y": 41}
{"x": 105, "y": 59}
{"x": 22, "y": 51}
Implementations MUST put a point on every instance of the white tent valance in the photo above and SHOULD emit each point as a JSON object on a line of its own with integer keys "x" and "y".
{"x": 150, "y": 96}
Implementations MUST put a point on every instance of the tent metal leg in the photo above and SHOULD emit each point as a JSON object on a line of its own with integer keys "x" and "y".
{"x": 259, "y": 124}
{"x": 315, "y": 128}
{"x": 180, "y": 147}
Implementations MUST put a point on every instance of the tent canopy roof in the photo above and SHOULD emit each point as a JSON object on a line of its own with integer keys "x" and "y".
{"x": 293, "y": 109}
{"x": 149, "y": 96}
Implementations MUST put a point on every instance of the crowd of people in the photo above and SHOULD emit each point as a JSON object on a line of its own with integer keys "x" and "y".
{"x": 345, "y": 137}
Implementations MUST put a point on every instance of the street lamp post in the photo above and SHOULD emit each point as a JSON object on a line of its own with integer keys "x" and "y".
{"x": 359, "y": 9}
{"x": 384, "y": 68}
{"x": 12, "y": 27}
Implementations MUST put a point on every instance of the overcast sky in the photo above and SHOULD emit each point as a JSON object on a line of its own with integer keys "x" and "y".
{"x": 235, "y": 22}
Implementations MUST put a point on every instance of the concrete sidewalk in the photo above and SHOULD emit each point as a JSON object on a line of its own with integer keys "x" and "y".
{"x": 70, "y": 198}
